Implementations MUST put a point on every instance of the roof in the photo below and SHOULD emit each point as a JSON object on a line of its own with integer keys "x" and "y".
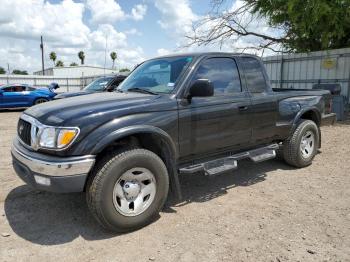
{"x": 119, "y": 74}
{"x": 198, "y": 54}
{"x": 7, "y": 85}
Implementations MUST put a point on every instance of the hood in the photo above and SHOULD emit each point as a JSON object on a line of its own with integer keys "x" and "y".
{"x": 75, "y": 110}
{"x": 71, "y": 94}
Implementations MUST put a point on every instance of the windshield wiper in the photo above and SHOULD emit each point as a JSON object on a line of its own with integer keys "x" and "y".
{"x": 140, "y": 90}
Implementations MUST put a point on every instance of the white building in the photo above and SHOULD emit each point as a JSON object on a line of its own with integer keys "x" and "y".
{"x": 76, "y": 71}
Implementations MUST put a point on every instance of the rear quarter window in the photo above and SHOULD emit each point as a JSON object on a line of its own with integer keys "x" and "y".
{"x": 254, "y": 75}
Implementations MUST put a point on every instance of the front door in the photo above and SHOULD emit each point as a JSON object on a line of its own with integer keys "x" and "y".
{"x": 218, "y": 123}
{"x": 14, "y": 96}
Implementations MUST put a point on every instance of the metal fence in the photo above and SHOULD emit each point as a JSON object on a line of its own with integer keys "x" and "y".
{"x": 66, "y": 84}
{"x": 305, "y": 70}
{"x": 285, "y": 71}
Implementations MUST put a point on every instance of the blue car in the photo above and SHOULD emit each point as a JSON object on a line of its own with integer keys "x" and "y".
{"x": 21, "y": 95}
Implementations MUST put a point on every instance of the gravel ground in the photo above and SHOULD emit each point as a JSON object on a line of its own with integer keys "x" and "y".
{"x": 261, "y": 212}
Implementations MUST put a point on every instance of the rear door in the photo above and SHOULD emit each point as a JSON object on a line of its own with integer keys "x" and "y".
{"x": 218, "y": 123}
{"x": 264, "y": 106}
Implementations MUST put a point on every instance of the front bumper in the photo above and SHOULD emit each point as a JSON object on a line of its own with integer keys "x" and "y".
{"x": 328, "y": 119}
{"x": 50, "y": 173}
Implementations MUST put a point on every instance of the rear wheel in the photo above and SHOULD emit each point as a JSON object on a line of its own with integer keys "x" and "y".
{"x": 128, "y": 189}
{"x": 300, "y": 149}
{"x": 40, "y": 101}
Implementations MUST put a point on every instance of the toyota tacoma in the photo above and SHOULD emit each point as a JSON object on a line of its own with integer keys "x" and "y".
{"x": 172, "y": 115}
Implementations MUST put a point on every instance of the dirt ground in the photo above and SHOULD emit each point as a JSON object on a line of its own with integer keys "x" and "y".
{"x": 260, "y": 212}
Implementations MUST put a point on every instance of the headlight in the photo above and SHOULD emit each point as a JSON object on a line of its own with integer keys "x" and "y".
{"x": 48, "y": 137}
{"x": 53, "y": 137}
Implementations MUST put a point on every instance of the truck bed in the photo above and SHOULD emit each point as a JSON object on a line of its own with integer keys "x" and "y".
{"x": 298, "y": 92}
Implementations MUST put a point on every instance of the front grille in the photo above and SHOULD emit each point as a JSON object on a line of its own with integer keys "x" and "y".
{"x": 23, "y": 130}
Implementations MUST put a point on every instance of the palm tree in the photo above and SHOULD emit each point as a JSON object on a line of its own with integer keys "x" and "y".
{"x": 81, "y": 56}
{"x": 53, "y": 57}
{"x": 59, "y": 63}
{"x": 73, "y": 64}
{"x": 114, "y": 57}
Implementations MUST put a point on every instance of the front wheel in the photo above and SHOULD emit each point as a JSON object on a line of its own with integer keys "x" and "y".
{"x": 128, "y": 189}
{"x": 300, "y": 149}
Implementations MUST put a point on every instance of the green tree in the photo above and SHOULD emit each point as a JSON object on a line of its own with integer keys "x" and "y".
{"x": 2, "y": 71}
{"x": 81, "y": 56}
{"x": 301, "y": 25}
{"x": 59, "y": 63}
{"x": 19, "y": 72}
{"x": 53, "y": 57}
{"x": 73, "y": 64}
{"x": 113, "y": 57}
{"x": 124, "y": 70}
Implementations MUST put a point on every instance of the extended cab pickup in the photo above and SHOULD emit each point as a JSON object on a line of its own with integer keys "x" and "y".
{"x": 172, "y": 115}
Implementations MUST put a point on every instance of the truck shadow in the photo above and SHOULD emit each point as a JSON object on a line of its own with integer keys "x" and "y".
{"x": 52, "y": 219}
{"x": 202, "y": 188}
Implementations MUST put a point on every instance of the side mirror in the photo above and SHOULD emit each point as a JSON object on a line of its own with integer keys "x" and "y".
{"x": 201, "y": 88}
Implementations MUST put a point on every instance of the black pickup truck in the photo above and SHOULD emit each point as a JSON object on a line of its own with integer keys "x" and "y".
{"x": 172, "y": 115}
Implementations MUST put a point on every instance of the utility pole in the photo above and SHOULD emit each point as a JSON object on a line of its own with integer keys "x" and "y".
{"x": 8, "y": 72}
{"x": 104, "y": 67}
{"x": 42, "y": 54}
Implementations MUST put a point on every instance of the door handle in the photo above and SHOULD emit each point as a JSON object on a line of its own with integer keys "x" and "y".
{"x": 243, "y": 108}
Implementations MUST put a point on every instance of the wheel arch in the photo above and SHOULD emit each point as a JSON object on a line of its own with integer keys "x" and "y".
{"x": 312, "y": 114}
{"x": 148, "y": 137}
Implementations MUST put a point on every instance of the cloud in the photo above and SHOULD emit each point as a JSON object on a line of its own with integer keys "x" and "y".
{"x": 64, "y": 31}
{"x": 176, "y": 16}
{"x": 133, "y": 31}
{"x": 28, "y": 19}
{"x": 106, "y": 32}
{"x": 109, "y": 11}
{"x": 163, "y": 51}
{"x": 138, "y": 12}
{"x": 105, "y": 11}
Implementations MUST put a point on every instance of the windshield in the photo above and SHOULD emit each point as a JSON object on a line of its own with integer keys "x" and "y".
{"x": 99, "y": 84}
{"x": 157, "y": 76}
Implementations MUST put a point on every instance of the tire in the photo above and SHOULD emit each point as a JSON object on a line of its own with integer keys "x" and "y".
{"x": 108, "y": 184}
{"x": 40, "y": 101}
{"x": 300, "y": 149}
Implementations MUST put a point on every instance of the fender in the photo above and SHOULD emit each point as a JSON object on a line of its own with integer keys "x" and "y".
{"x": 165, "y": 137}
{"x": 303, "y": 111}
{"x": 298, "y": 117}
{"x": 136, "y": 129}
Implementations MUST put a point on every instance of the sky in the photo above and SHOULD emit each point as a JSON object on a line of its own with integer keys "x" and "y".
{"x": 135, "y": 29}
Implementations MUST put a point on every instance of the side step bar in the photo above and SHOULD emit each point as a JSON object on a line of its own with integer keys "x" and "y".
{"x": 221, "y": 165}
